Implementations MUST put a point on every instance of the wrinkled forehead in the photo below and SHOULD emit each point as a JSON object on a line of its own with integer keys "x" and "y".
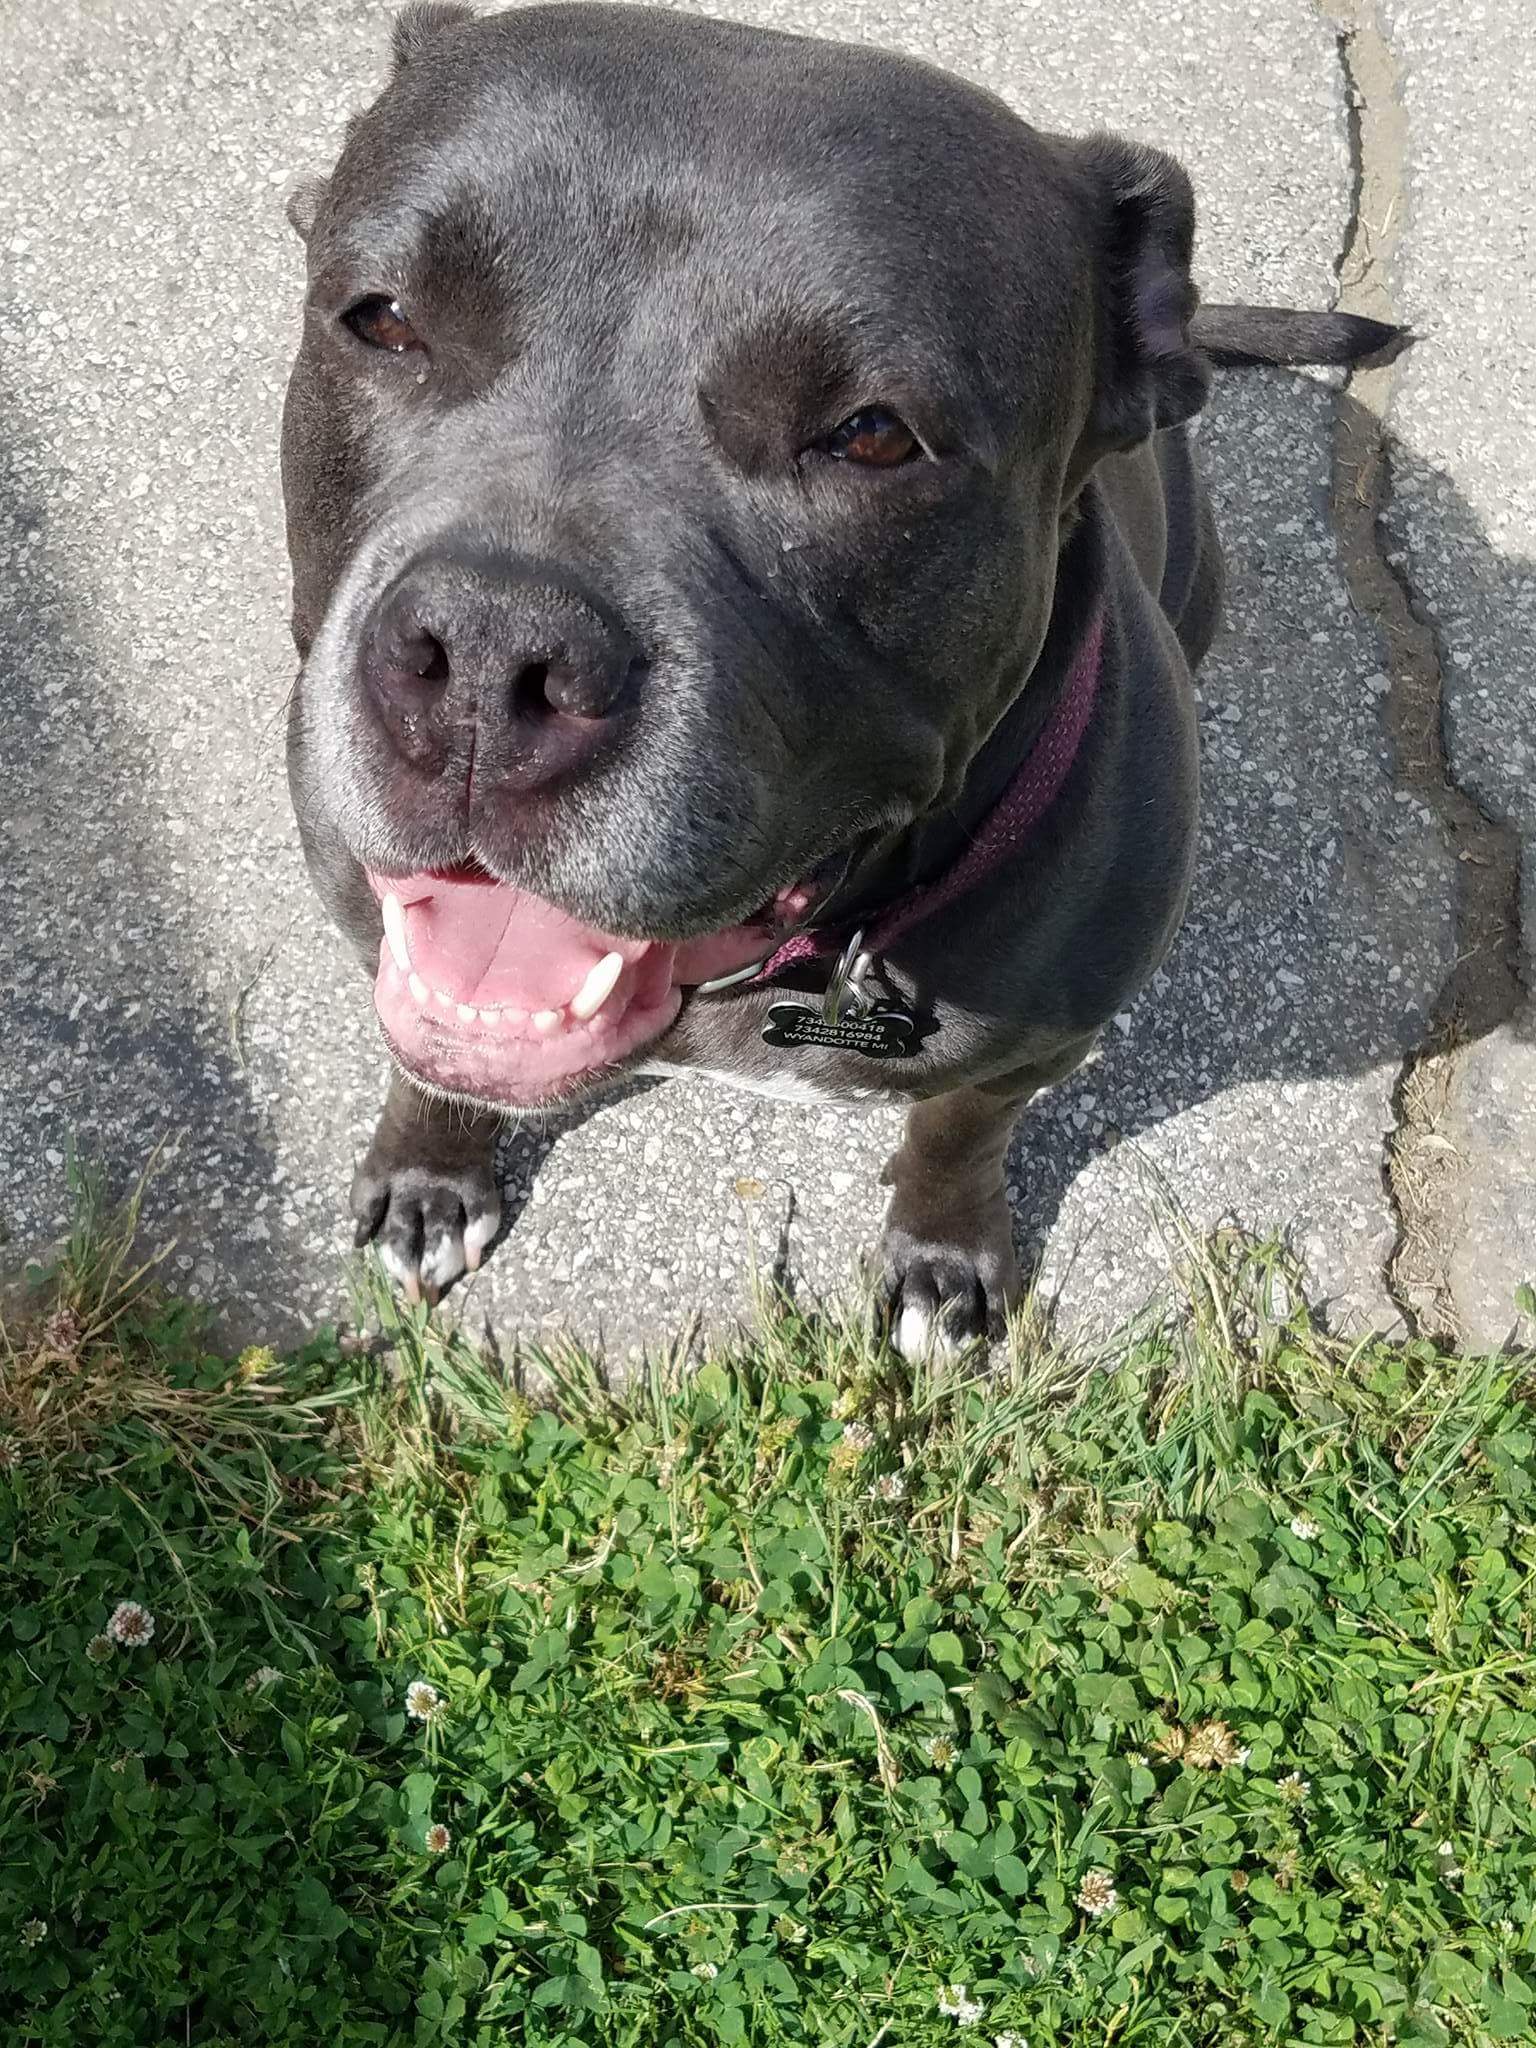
{"x": 577, "y": 170}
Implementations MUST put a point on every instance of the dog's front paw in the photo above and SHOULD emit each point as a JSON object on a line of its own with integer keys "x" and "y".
{"x": 947, "y": 1281}
{"x": 430, "y": 1220}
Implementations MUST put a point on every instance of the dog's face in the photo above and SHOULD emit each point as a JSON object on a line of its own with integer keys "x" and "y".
{"x": 676, "y": 462}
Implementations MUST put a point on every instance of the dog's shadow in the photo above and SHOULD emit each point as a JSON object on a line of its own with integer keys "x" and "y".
{"x": 1324, "y": 935}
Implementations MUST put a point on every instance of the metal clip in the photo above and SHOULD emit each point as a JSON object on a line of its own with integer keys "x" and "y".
{"x": 845, "y": 986}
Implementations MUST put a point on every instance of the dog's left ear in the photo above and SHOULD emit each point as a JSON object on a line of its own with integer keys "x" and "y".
{"x": 304, "y": 204}
{"x": 1150, "y": 374}
{"x": 422, "y": 23}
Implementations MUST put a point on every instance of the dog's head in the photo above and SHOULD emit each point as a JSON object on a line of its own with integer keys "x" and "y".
{"x": 676, "y": 461}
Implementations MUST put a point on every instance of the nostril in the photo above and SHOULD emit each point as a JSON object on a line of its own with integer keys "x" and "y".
{"x": 530, "y": 688}
{"x": 405, "y": 673}
{"x": 406, "y": 667}
{"x": 413, "y": 651}
{"x": 589, "y": 690}
{"x": 578, "y": 690}
{"x": 435, "y": 667}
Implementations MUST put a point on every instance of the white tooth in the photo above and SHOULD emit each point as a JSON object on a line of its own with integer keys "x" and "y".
{"x": 512, "y": 1020}
{"x": 394, "y": 931}
{"x": 598, "y": 986}
{"x": 418, "y": 988}
{"x": 546, "y": 1021}
{"x": 468, "y": 1014}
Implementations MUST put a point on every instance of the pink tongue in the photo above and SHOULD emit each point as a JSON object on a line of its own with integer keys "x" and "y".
{"x": 489, "y": 944}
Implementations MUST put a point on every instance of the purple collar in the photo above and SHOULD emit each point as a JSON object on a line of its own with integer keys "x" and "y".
{"x": 1000, "y": 835}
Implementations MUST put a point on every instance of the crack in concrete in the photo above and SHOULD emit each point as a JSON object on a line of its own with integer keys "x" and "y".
{"x": 1422, "y": 1169}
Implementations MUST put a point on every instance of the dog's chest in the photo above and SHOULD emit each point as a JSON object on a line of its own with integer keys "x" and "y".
{"x": 783, "y": 1085}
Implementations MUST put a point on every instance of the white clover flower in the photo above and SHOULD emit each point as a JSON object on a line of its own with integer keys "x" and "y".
{"x": 1137, "y": 1759}
{"x": 941, "y": 1751}
{"x": 131, "y": 1625}
{"x": 1096, "y": 1894}
{"x": 706, "y": 1972}
{"x": 890, "y": 1486}
{"x": 1304, "y": 1529}
{"x": 33, "y": 1932}
{"x": 1294, "y": 1787}
{"x": 858, "y": 1436}
{"x": 423, "y": 1702}
{"x": 263, "y": 1676}
{"x": 437, "y": 1838}
{"x": 956, "y": 2003}
{"x": 1210, "y": 1746}
{"x": 100, "y": 1648}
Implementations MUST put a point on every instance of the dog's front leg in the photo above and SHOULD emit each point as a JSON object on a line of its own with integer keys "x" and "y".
{"x": 426, "y": 1191}
{"x": 948, "y": 1269}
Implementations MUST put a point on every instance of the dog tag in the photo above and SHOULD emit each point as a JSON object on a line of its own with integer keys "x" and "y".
{"x": 881, "y": 1032}
{"x": 847, "y": 1019}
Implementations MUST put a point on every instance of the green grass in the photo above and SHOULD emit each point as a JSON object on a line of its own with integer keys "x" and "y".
{"x": 772, "y": 1701}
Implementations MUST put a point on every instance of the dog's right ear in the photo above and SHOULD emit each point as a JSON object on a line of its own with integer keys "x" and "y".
{"x": 422, "y": 23}
{"x": 1151, "y": 372}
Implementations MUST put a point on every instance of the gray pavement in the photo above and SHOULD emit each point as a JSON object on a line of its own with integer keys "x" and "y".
{"x": 1462, "y": 528}
{"x": 166, "y": 973}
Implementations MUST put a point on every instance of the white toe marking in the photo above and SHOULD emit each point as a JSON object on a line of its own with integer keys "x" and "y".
{"x": 442, "y": 1260}
{"x": 913, "y": 1332}
{"x": 920, "y": 1334}
{"x": 478, "y": 1233}
{"x": 405, "y": 1275}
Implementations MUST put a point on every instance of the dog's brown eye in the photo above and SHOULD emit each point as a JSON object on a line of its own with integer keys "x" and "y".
{"x": 382, "y": 324}
{"x": 875, "y": 438}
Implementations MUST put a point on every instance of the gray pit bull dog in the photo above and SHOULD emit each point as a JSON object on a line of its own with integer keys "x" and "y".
{"x": 748, "y": 567}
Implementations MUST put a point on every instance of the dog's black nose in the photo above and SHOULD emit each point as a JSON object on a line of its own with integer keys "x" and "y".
{"x": 468, "y": 640}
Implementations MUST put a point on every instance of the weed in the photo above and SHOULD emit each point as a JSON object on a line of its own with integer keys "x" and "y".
{"x": 1178, "y": 1695}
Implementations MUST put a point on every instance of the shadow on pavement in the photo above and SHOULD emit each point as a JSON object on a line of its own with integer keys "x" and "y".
{"x": 108, "y": 1045}
{"x": 1320, "y": 939}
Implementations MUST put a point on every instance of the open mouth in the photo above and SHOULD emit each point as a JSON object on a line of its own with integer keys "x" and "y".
{"x": 487, "y": 991}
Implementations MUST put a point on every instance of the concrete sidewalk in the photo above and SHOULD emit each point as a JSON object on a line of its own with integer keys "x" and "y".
{"x": 166, "y": 971}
